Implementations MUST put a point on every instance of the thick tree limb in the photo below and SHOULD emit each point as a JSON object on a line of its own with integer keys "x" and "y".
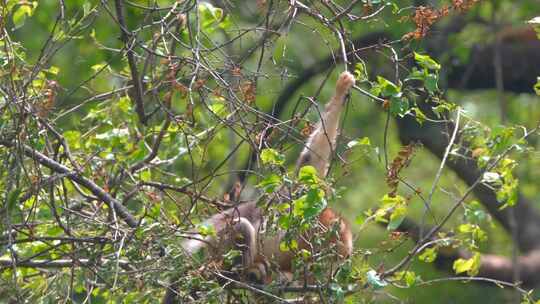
{"x": 78, "y": 178}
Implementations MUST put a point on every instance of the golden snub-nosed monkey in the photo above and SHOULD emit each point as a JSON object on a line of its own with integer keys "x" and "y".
{"x": 239, "y": 227}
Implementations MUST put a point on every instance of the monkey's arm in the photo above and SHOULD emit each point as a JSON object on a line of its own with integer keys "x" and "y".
{"x": 321, "y": 143}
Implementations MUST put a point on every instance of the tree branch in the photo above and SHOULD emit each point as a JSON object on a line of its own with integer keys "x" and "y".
{"x": 76, "y": 177}
{"x": 60, "y": 263}
{"x": 304, "y": 77}
{"x": 492, "y": 266}
{"x": 434, "y": 137}
{"x": 136, "y": 79}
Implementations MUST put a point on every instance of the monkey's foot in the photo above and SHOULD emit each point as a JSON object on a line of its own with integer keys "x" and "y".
{"x": 344, "y": 83}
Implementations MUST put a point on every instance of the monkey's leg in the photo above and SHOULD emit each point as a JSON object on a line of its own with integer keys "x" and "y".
{"x": 321, "y": 143}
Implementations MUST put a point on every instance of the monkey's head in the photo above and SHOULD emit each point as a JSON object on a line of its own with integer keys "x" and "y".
{"x": 259, "y": 273}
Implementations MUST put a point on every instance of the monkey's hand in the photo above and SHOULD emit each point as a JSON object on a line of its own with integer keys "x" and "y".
{"x": 344, "y": 83}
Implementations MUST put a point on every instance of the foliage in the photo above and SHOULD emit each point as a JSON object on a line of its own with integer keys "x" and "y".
{"x": 115, "y": 150}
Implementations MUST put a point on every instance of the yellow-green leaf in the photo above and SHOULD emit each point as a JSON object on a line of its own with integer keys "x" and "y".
{"x": 470, "y": 266}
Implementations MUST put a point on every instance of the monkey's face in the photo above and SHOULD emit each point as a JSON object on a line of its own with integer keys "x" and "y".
{"x": 259, "y": 273}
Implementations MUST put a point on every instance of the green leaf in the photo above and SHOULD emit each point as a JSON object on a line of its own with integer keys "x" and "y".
{"x": 212, "y": 17}
{"x": 314, "y": 203}
{"x": 146, "y": 175}
{"x": 116, "y": 138}
{"x": 73, "y": 139}
{"x": 470, "y": 266}
{"x": 285, "y": 222}
{"x": 270, "y": 183}
{"x": 387, "y": 87}
{"x": 124, "y": 104}
{"x": 473, "y": 230}
{"x": 24, "y": 11}
{"x": 288, "y": 245}
{"x": 283, "y": 247}
{"x": 360, "y": 219}
{"x": 416, "y": 74}
{"x": 431, "y": 83}
{"x": 465, "y": 228}
{"x": 283, "y": 207}
{"x": 399, "y": 106}
{"x": 280, "y": 49}
{"x": 502, "y": 138}
{"x": 308, "y": 175}
{"x": 397, "y": 217}
{"x": 54, "y": 231}
{"x": 426, "y": 62}
{"x": 299, "y": 206}
{"x": 272, "y": 157}
{"x": 408, "y": 277}
{"x": 218, "y": 109}
{"x": 360, "y": 72}
{"x": 474, "y": 212}
{"x": 206, "y": 229}
{"x": 508, "y": 193}
{"x": 419, "y": 115}
{"x": 537, "y": 86}
{"x": 391, "y": 201}
{"x": 53, "y": 70}
{"x": 86, "y": 8}
{"x": 98, "y": 67}
{"x": 364, "y": 141}
{"x": 429, "y": 255}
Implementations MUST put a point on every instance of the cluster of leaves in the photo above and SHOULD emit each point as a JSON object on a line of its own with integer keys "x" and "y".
{"x": 399, "y": 99}
{"x": 299, "y": 215}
